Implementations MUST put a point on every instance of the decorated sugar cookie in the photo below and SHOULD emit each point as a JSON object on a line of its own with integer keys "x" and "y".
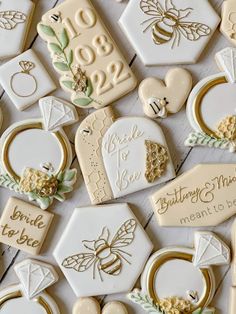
{"x": 232, "y": 304}
{"x": 83, "y": 52}
{"x": 22, "y": 79}
{"x": 215, "y": 125}
{"x": 15, "y": 18}
{"x": 24, "y": 226}
{"x": 228, "y": 24}
{"x": 107, "y": 257}
{"x": 162, "y": 97}
{"x": 202, "y": 196}
{"x": 107, "y": 149}
{"x": 36, "y": 154}
{"x": 92, "y": 306}
{"x": 180, "y": 279}
{"x": 169, "y": 31}
{"x": 29, "y": 296}
{"x": 1, "y": 118}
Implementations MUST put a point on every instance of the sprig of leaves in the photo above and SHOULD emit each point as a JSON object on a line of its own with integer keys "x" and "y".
{"x": 145, "y": 302}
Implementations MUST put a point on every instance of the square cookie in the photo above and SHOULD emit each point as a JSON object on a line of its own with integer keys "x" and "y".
{"x": 15, "y": 19}
{"x": 24, "y": 226}
{"x": 25, "y": 80}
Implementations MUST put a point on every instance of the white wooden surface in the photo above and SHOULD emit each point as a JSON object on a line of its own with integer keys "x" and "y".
{"x": 176, "y": 129}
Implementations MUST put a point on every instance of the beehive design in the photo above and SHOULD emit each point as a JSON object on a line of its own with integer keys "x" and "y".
{"x": 156, "y": 161}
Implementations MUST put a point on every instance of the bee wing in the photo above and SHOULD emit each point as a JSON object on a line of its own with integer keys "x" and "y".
{"x": 80, "y": 262}
{"x": 152, "y": 7}
{"x": 193, "y": 31}
{"x": 9, "y": 19}
{"x": 125, "y": 235}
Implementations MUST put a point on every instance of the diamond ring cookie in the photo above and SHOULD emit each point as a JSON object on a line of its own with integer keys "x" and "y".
{"x": 202, "y": 196}
{"x": 36, "y": 154}
{"x": 15, "y": 19}
{"x": 107, "y": 257}
{"x": 215, "y": 125}
{"x": 107, "y": 150}
{"x": 29, "y": 296}
{"x": 92, "y": 306}
{"x": 162, "y": 97}
{"x": 169, "y": 31}
{"x": 181, "y": 279}
{"x": 228, "y": 24}
{"x": 22, "y": 78}
{"x": 83, "y": 52}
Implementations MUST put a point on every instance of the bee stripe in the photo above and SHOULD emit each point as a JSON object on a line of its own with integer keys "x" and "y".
{"x": 101, "y": 248}
{"x": 112, "y": 267}
{"x": 160, "y": 34}
{"x": 162, "y": 31}
{"x": 109, "y": 263}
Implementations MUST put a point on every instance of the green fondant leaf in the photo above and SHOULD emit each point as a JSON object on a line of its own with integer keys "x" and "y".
{"x": 55, "y": 48}
{"x": 64, "y": 189}
{"x": 82, "y": 101}
{"x": 70, "y": 175}
{"x": 64, "y": 39}
{"x": 89, "y": 89}
{"x": 70, "y": 57}
{"x": 61, "y": 66}
{"x": 68, "y": 84}
{"x": 198, "y": 311}
{"x": 47, "y": 30}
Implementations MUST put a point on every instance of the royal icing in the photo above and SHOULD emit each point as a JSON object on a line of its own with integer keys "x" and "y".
{"x": 107, "y": 150}
{"x": 92, "y": 306}
{"x": 21, "y": 78}
{"x": 91, "y": 66}
{"x": 107, "y": 257}
{"x": 178, "y": 279}
{"x": 36, "y": 155}
{"x": 170, "y": 31}
{"x": 228, "y": 24}
{"x": 162, "y": 97}
{"x": 15, "y": 18}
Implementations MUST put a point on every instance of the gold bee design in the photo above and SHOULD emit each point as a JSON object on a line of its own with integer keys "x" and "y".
{"x": 10, "y": 19}
{"x": 168, "y": 24}
{"x": 106, "y": 256}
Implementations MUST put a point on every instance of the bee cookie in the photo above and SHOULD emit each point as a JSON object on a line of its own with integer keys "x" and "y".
{"x": 107, "y": 149}
{"x": 107, "y": 257}
{"x": 22, "y": 79}
{"x": 35, "y": 155}
{"x": 202, "y": 196}
{"x": 228, "y": 24}
{"x": 15, "y": 19}
{"x": 83, "y": 52}
{"x": 162, "y": 97}
{"x": 30, "y": 296}
{"x": 169, "y": 31}
{"x": 215, "y": 125}
{"x": 24, "y": 226}
{"x": 92, "y": 306}
{"x": 181, "y": 279}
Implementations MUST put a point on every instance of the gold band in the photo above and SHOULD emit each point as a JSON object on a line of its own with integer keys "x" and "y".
{"x": 171, "y": 255}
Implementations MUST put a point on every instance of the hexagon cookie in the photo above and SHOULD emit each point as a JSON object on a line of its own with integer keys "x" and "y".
{"x": 15, "y": 17}
{"x": 102, "y": 250}
{"x": 169, "y": 31}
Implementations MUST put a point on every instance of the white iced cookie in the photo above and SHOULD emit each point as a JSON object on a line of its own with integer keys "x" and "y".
{"x": 15, "y": 18}
{"x": 36, "y": 154}
{"x": 91, "y": 66}
{"x": 181, "y": 279}
{"x": 22, "y": 78}
{"x": 30, "y": 296}
{"x": 162, "y": 97}
{"x": 202, "y": 196}
{"x": 215, "y": 125}
{"x": 26, "y": 234}
{"x": 232, "y": 304}
{"x": 169, "y": 31}
{"x": 107, "y": 149}
{"x": 92, "y": 306}
{"x": 107, "y": 257}
{"x": 228, "y": 24}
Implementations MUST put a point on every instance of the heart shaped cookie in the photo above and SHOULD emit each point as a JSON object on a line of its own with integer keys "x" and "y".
{"x": 91, "y": 306}
{"x": 162, "y": 97}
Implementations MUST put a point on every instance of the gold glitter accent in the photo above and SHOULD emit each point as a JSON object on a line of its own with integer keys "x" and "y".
{"x": 175, "y": 305}
{"x": 156, "y": 161}
{"x": 227, "y": 128}
{"x": 38, "y": 182}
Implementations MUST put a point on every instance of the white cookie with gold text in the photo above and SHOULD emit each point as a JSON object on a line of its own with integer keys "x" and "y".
{"x": 121, "y": 156}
